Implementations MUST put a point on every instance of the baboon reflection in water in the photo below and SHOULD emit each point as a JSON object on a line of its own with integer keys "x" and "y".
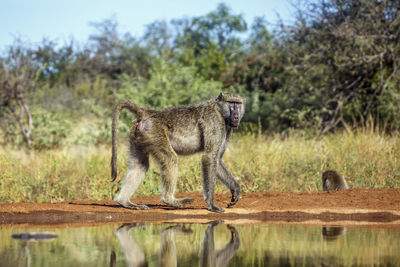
{"x": 168, "y": 255}
{"x": 134, "y": 255}
{"x": 332, "y": 232}
{"x": 210, "y": 257}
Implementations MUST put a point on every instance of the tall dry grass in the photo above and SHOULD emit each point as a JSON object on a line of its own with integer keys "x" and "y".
{"x": 369, "y": 159}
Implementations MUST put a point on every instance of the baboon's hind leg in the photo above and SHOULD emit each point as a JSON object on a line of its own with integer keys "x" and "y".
{"x": 138, "y": 165}
{"x": 168, "y": 162}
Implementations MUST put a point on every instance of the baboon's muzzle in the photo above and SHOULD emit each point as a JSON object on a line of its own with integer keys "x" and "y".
{"x": 235, "y": 120}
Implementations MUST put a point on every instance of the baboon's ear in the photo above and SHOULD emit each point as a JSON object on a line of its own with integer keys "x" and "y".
{"x": 220, "y": 97}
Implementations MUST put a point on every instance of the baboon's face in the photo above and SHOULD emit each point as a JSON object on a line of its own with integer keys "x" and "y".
{"x": 232, "y": 108}
{"x": 235, "y": 116}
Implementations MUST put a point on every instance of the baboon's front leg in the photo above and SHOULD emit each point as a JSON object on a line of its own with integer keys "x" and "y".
{"x": 137, "y": 168}
{"x": 208, "y": 257}
{"x": 209, "y": 172}
{"x": 224, "y": 255}
{"x": 226, "y": 177}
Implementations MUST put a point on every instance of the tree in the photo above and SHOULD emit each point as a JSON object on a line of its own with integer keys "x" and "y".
{"x": 17, "y": 78}
{"x": 56, "y": 64}
{"x": 112, "y": 54}
{"x": 210, "y": 42}
{"x": 158, "y": 36}
{"x": 344, "y": 60}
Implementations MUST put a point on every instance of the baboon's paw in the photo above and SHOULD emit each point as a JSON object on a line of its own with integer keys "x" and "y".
{"x": 129, "y": 226}
{"x": 233, "y": 202}
{"x": 234, "y": 199}
{"x": 234, "y": 233}
{"x": 141, "y": 207}
{"x": 178, "y": 202}
{"x": 214, "y": 208}
{"x": 186, "y": 200}
{"x": 234, "y": 237}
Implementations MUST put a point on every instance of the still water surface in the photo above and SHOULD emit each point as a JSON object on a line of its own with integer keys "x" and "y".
{"x": 213, "y": 244}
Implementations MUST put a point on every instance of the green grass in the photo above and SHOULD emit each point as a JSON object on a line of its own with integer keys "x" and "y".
{"x": 262, "y": 163}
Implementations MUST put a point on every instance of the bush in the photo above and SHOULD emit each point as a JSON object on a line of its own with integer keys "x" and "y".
{"x": 49, "y": 130}
{"x": 169, "y": 85}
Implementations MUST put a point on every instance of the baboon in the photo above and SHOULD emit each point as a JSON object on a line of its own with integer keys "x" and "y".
{"x": 212, "y": 257}
{"x": 331, "y": 180}
{"x": 168, "y": 250}
{"x": 134, "y": 255}
{"x": 164, "y": 134}
{"x": 332, "y": 232}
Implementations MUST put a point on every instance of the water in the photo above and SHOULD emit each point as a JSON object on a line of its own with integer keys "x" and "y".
{"x": 213, "y": 244}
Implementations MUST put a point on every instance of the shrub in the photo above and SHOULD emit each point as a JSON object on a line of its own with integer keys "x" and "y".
{"x": 49, "y": 130}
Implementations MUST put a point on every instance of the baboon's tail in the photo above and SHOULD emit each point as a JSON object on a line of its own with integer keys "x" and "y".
{"x": 134, "y": 108}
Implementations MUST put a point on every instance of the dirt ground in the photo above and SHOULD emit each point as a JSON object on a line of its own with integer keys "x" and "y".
{"x": 349, "y": 207}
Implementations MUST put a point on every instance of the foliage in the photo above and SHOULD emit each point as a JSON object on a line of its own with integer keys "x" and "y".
{"x": 49, "y": 130}
{"x": 367, "y": 158}
{"x": 344, "y": 57}
{"x": 337, "y": 64}
{"x": 335, "y": 67}
{"x": 111, "y": 54}
{"x": 169, "y": 85}
{"x": 209, "y": 42}
{"x": 17, "y": 79}
{"x": 94, "y": 132}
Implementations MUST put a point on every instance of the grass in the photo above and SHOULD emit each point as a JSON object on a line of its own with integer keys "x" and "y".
{"x": 368, "y": 159}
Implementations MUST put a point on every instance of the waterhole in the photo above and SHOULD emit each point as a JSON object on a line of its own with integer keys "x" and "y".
{"x": 212, "y": 244}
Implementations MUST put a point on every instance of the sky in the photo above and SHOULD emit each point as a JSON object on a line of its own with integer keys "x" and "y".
{"x": 61, "y": 20}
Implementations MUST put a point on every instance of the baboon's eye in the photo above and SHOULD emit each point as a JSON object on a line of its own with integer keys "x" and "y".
{"x": 234, "y": 105}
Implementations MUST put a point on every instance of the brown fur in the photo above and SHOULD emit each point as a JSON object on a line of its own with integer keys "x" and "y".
{"x": 331, "y": 180}
{"x": 210, "y": 256}
{"x": 165, "y": 134}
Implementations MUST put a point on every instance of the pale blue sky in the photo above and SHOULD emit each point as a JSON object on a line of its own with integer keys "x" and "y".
{"x": 60, "y": 20}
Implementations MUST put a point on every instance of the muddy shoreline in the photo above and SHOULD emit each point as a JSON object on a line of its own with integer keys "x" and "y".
{"x": 379, "y": 207}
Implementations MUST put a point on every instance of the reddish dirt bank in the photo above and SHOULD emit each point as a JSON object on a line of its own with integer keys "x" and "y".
{"x": 356, "y": 206}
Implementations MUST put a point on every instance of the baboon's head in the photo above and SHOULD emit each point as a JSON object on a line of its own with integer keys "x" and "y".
{"x": 326, "y": 175}
{"x": 232, "y": 108}
{"x": 329, "y": 175}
